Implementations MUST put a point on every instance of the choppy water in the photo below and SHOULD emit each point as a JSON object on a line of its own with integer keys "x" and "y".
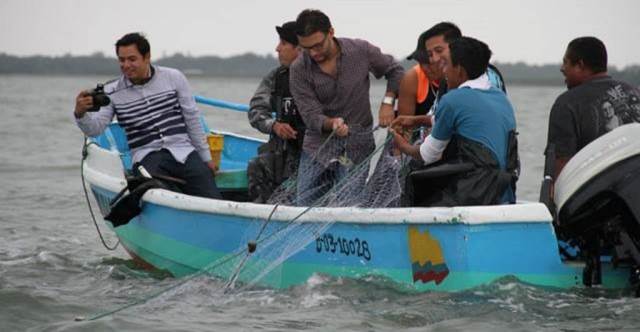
{"x": 53, "y": 267}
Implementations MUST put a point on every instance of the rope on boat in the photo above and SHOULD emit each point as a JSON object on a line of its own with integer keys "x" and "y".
{"x": 251, "y": 248}
{"x": 238, "y": 252}
{"x": 164, "y": 290}
{"x": 311, "y": 206}
{"x": 86, "y": 196}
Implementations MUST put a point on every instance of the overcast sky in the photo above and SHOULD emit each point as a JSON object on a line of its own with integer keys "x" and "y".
{"x": 534, "y": 31}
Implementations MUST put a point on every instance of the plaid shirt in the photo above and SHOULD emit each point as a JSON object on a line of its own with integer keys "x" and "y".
{"x": 318, "y": 95}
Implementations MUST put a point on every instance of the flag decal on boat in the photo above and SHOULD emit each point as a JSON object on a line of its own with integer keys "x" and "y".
{"x": 427, "y": 261}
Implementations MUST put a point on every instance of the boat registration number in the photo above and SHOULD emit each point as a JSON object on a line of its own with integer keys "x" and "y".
{"x": 339, "y": 245}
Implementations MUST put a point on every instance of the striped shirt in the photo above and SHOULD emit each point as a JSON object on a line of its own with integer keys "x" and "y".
{"x": 160, "y": 114}
{"x": 318, "y": 95}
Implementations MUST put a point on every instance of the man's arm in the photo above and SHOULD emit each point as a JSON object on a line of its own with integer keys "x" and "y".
{"x": 562, "y": 133}
{"x": 443, "y": 129}
{"x": 429, "y": 151}
{"x": 409, "y": 122}
{"x": 191, "y": 115}
{"x": 260, "y": 111}
{"x": 262, "y": 108}
{"x": 385, "y": 65}
{"x": 560, "y": 163}
{"x": 407, "y": 93}
{"x": 309, "y": 106}
{"x": 93, "y": 123}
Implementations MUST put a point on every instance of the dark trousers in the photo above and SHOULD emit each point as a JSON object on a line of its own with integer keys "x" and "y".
{"x": 198, "y": 177}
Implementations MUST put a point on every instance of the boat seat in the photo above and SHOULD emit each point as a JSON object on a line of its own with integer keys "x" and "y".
{"x": 442, "y": 170}
{"x": 423, "y": 186}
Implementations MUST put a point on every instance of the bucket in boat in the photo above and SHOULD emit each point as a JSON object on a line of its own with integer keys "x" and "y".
{"x": 216, "y": 143}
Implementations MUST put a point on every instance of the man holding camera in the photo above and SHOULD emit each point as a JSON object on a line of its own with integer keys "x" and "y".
{"x": 157, "y": 111}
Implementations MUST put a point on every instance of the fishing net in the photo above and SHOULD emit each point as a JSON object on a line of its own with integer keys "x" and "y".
{"x": 345, "y": 171}
{"x": 359, "y": 170}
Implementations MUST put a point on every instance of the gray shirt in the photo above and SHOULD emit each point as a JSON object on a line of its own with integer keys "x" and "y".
{"x": 318, "y": 95}
{"x": 590, "y": 110}
{"x": 160, "y": 114}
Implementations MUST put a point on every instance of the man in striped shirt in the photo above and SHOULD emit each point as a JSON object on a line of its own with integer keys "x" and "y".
{"x": 155, "y": 107}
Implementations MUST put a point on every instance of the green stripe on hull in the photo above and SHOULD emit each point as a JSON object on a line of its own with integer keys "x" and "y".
{"x": 182, "y": 259}
{"x": 179, "y": 258}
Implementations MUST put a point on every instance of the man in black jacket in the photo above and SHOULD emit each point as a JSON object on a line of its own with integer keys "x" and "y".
{"x": 278, "y": 158}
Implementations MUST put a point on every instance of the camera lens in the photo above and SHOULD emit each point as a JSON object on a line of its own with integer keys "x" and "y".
{"x": 101, "y": 100}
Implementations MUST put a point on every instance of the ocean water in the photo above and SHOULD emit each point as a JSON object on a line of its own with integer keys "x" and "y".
{"x": 53, "y": 267}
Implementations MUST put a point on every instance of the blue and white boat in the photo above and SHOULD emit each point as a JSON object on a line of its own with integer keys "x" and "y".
{"x": 442, "y": 249}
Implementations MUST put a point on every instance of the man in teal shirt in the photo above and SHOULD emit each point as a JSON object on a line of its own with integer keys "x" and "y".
{"x": 476, "y": 123}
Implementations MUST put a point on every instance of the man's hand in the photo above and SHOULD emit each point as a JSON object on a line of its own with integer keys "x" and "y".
{"x": 399, "y": 140}
{"x": 284, "y": 130}
{"x": 404, "y": 122}
{"x": 84, "y": 101}
{"x": 212, "y": 166}
{"x": 338, "y": 125}
{"x": 402, "y": 144}
{"x": 385, "y": 115}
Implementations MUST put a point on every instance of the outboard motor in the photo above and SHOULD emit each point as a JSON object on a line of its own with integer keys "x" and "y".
{"x": 597, "y": 196}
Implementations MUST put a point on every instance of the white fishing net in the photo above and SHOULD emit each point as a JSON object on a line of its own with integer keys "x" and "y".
{"x": 360, "y": 170}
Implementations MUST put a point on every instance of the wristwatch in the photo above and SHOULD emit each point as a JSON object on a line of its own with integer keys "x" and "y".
{"x": 388, "y": 100}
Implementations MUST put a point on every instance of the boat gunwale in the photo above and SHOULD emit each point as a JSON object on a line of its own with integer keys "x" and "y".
{"x": 96, "y": 173}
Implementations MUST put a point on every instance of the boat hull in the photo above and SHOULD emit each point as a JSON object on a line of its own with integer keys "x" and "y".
{"x": 442, "y": 249}
{"x": 418, "y": 256}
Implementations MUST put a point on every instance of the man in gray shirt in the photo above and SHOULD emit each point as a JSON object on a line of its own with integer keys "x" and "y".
{"x": 155, "y": 107}
{"x": 593, "y": 104}
{"x": 330, "y": 84}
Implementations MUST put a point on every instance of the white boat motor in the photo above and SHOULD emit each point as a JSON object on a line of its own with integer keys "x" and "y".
{"x": 597, "y": 200}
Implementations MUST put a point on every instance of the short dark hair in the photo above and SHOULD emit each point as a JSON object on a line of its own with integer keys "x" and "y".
{"x": 310, "y": 21}
{"x": 448, "y": 30}
{"x": 472, "y": 54}
{"x": 591, "y": 51}
{"x": 135, "y": 38}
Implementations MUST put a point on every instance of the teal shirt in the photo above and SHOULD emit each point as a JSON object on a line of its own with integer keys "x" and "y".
{"x": 484, "y": 116}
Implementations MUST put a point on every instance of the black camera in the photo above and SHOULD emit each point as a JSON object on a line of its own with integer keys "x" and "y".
{"x": 99, "y": 98}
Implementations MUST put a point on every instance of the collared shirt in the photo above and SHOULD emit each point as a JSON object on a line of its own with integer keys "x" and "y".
{"x": 319, "y": 95}
{"x": 160, "y": 114}
{"x": 481, "y": 83}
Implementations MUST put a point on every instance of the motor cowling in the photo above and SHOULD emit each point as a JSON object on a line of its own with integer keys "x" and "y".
{"x": 597, "y": 196}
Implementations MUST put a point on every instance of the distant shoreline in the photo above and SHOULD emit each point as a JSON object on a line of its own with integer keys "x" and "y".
{"x": 252, "y": 65}
{"x": 510, "y": 82}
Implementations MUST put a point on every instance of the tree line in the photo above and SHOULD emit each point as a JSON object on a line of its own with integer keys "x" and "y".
{"x": 253, "y": 65}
